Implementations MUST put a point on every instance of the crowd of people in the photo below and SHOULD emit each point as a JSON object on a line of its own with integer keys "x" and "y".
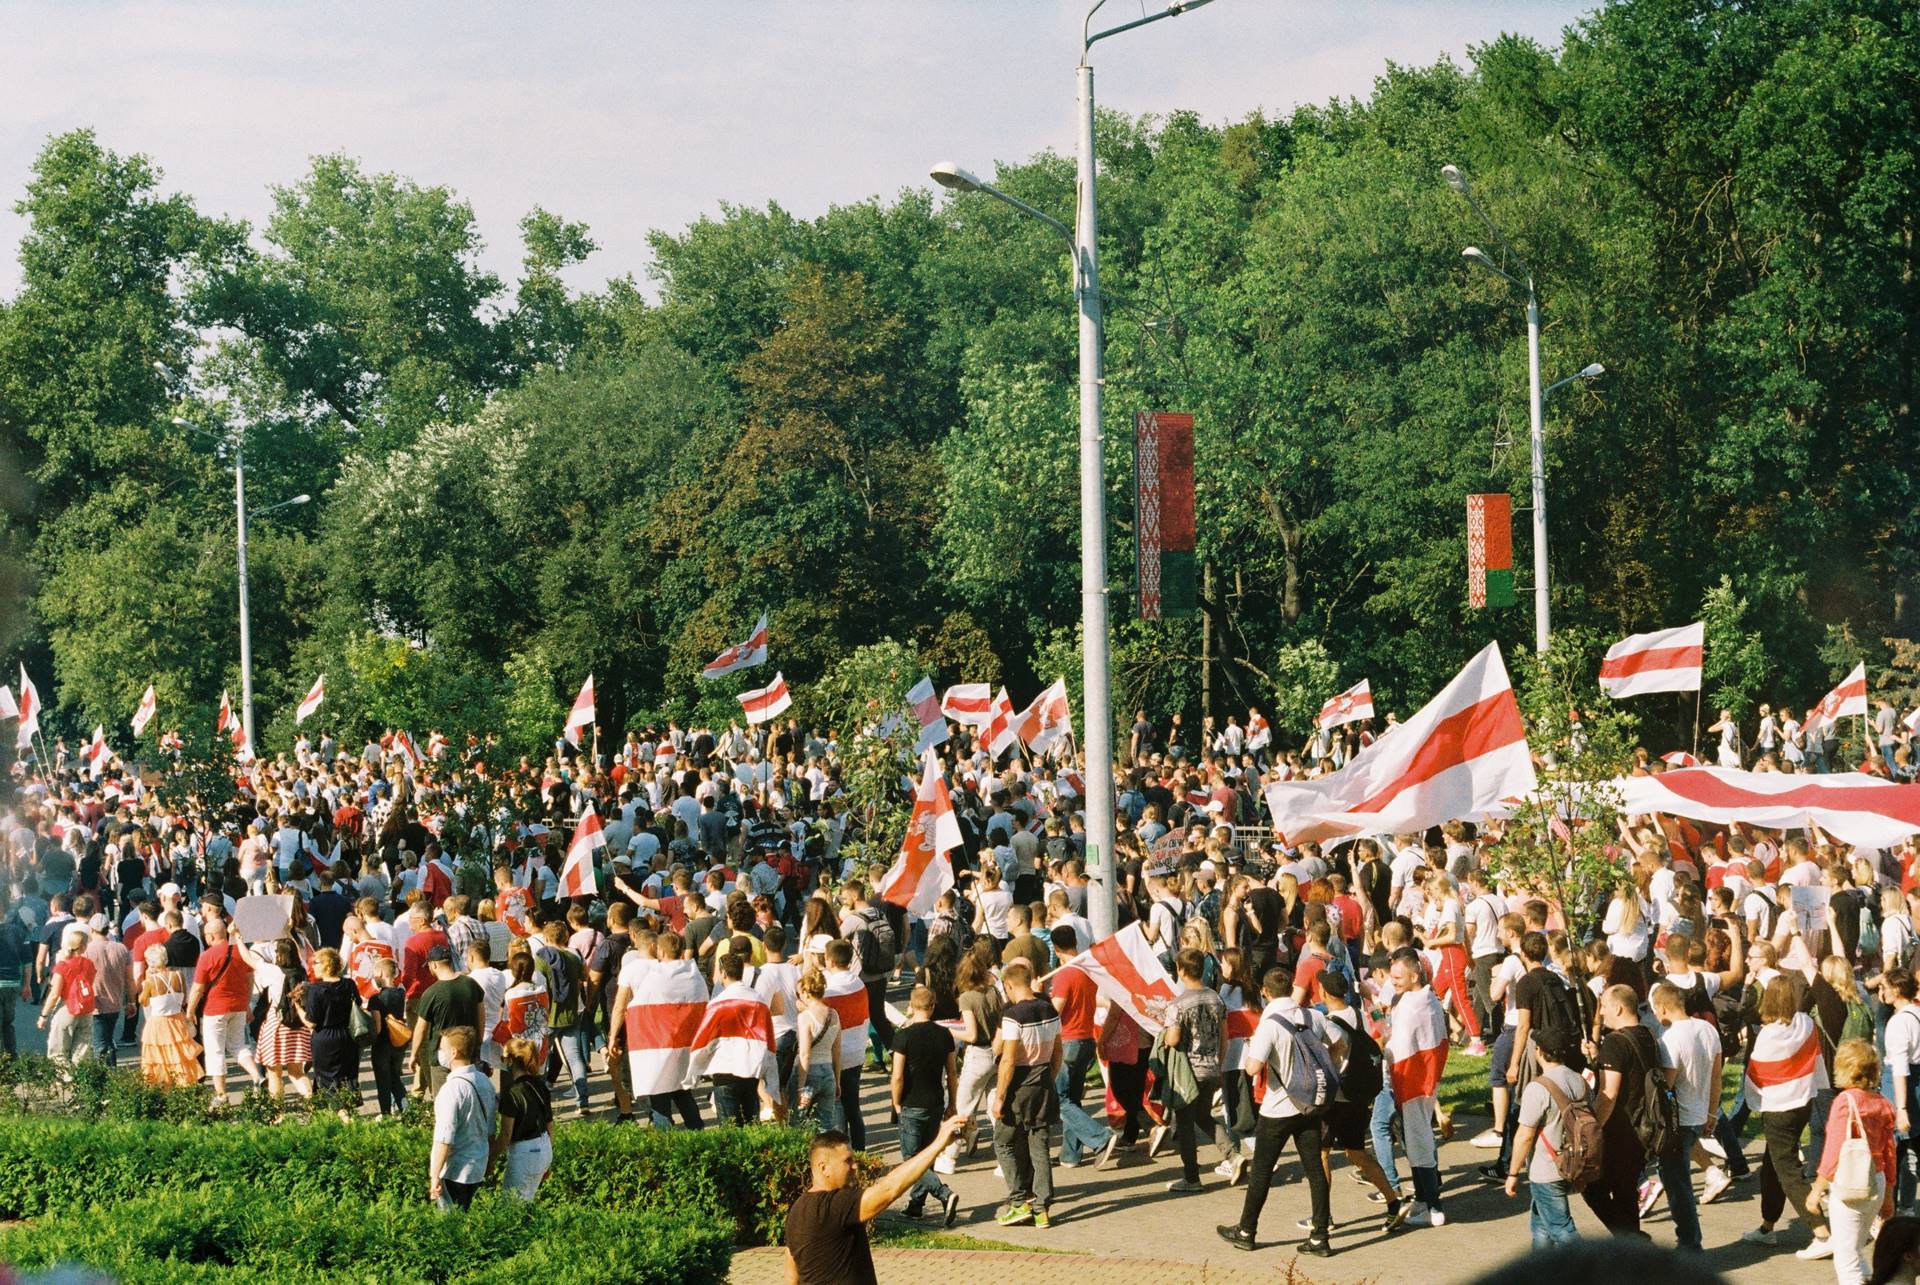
{"x": 401, "y": 915}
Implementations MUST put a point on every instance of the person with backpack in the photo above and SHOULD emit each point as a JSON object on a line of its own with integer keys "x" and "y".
{"x": 876, "y": 951}
{"x": 1902, "y": 1042}
{"x": 1349, "y": 1115}
{"x": 565, "y": 975}
{"x": 1627, "y": 1064}
{"x": 1555, "y": 1112}
{"x": 1839, "y": 1011}
{"x": 1197, "y": 1033}
{"x": 1293, "y": 1054}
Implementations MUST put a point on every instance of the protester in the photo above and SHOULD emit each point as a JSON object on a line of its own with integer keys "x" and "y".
{"x": 522, "y": 1148}
{"x": 464, "y": 1109}
{"x": 826, "y": 1228}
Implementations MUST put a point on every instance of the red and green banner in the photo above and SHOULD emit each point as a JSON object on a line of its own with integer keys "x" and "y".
{"x": 1163, "y": 513}
{"x": 1490, "y": 550}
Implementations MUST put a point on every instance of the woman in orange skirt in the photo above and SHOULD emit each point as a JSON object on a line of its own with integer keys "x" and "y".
{"x": 169, "y": 1055}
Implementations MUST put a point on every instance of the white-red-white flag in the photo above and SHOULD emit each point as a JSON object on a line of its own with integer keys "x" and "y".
{"x": 735, "y": 1037}
{"x": 404, "y": 747}
{"x": 1417, "y": 1044}
{"x": 668, "y": 1006}
{"x": 1857, "y": 807}
{"x": 144, "y": 715}
{"x": 224, "y": 720}
{"x": 926, "y": 714}
{"x": 923, "y": 870}
{"x": 1349, "y": 706}
{"x": 172, "y": 741}
{"x": 8, "y": 707}
{"x": 436, "y": 744}
{"x": 1784, "y": 1067}
{"x": 742, "y": 655}
{"x": 1046, "y": 720}
{"x": 968, "y": 704}
{"x": 235, "y": 730}
{"x": 97, "y": 753}
{"x": 766, "y": 702}
{"x": 1848, "y": 700}
{"x": 28, "y": 710}
{"x": 576, "y": 874}
{"x": 1464, "y": 752}
{"x": 999, "y": 736}
{"x": 311, "y": 705}
{"x": 1679, "y": 758}
{"x": 846, "y": 995}
{"x": 1127, "y": 970}
{"x": 1666, "y": 660}
{"x": 581, "y": 715}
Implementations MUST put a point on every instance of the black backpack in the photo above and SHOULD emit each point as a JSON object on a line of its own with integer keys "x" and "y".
{"x": 875, "y": 942}
{"x": 1561, "y": 1013}
{"x": 1362, "y": 1079}
{"x": 1655, "y": 1114}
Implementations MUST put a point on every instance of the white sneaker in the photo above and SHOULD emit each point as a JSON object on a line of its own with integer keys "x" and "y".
{"x": 1224, "y": 1169}
{"x": 1437, "y": 1218}
{"x": 1821, "y": 1247}
{"x": 1649, "y": 1193}
{"x": 1420, "y": 1216}
{"x": 943, "y": 1163}
{"x": 1718, "y": 1180}
{"x": 1713, "y": 1148}
{"x": 1488, "y": 1140}
{"x": 1159, "y": 1135}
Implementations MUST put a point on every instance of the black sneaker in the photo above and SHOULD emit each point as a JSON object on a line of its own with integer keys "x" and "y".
{"x": 1318, "y": 1246}
{"x": 1233, "y": 1235}
{"x": 951, "y": 1206}
{"x": 915, "y": 1208}
{"x": 1396, "y": 1216}
{"x": 1491, "y": 1173}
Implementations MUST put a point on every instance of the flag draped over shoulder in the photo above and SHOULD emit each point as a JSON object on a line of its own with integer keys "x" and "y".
{"x": 661, "y": 1021}
{"x": 1784, "y": 1068}
{"x": 1417, "y": 1043}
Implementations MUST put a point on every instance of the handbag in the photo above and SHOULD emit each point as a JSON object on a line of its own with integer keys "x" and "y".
{"x": 1853, "y": 1172}
{"x": 359, "y": 1025}
{"x": 397, "y": 1033}
{"x": 1183, "y": 1087}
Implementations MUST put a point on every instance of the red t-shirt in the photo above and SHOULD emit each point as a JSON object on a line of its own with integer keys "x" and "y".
{"x": 76, "y": 974}
{"x": 1308, "y": 975}
{"x": 228, "y": 979}
{"x": 1075, "y": 995}
{"x": 139, "y": 946}
{"x": 1352, "y": 916}
{"x": 414, "y": 973}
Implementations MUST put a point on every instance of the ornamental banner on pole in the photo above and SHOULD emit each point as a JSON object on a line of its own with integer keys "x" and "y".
{"x": 1163, "y": 517}
{"x": 1490, "y": 550}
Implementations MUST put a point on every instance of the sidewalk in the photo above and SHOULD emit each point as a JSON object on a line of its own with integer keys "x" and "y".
{"x": 906, "y": 1266}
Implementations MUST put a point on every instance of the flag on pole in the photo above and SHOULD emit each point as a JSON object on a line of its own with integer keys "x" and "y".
{"x": 581, "y": 715}
{"x": 1349, "y": 706}
{"x": 404, "y": 747}
{"x": 235, "y": 731}
{"x": 1463, "y": 753}
{"x": 1667, "y": 660}
{"x": 742, "y": 655}
{"x": 1848, "y": 700}
{"x": 1417, "y": 1043}
{"x": 1046, "y": 720}
{"x": 968, "y": 704}
{"x": 667, "y": 1008}
{"x": 1490, "y": 550}
{"x": 28, "y": 711}
{"x": 96, "y": 752}
{"x": 1127, "y": 971}
{"x": 926, "y": 712}
{"x": 225, "y": 718}
{"x": 311, "y": 705}
{"x": 1784, "y": 1067}
{"x": 144, "y": 715}
{"x": 923, "y": 870}
{"x": 576, "y": 874}
{"x": 766, "y": 702}
{"x": 999, "y": 735}
{"x": 8, "y": 707}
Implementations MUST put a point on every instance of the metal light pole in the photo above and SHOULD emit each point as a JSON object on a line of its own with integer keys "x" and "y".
{"x": 1096, "y": 669}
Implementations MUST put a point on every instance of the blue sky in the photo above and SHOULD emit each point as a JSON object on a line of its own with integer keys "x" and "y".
{"x": 631, "y": 117}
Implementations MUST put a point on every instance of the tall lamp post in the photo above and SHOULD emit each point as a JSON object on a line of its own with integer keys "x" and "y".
{"x": 232, "y": 442}
{"x": 1096, "y": 669}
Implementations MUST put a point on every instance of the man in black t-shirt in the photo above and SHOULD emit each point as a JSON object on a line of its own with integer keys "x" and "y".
{"x": 1263, "y": 913}
{"x": 452, "y": 1000}
{"x": 826, "y": 1235}
{"x": 926, "y": 1081}
{"x": 1627, "y": 1053}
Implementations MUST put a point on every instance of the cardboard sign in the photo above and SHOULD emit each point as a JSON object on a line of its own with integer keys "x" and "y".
{"x": 263, "y": 918}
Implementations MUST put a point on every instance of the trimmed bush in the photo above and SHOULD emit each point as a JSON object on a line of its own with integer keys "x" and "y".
{"x": 228, "y": 1234}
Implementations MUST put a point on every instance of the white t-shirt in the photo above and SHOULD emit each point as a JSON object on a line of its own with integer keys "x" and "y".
{"x": 1903, "y": 1041}
{"x": 1509, "y": 971}
{"x": 1404, "y": 864}
{"x": 994, "y": 906}
{"x": 781, "y": 979}
{"x": 1692, "y": 1046}
{"x": 1684, "y": 982}
{"x": 1624, "y": 944}
{"x": 1483, "y": 926}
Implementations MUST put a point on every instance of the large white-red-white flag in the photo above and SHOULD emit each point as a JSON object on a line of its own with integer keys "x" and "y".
{"x": 846, "y": 995}
{"x": 1464, "y": 752}
{"x": 932, "y": 724}
{"x": 311, "y": 705}
{"x": 1857, "y": 807}
{"x": 576, "y": 873}
{"x": 923, "y": 870}
{"x": 742, "y": 655}
{"x": 735, "y": 1037}
{"x": 28, "y": 711}
{"x": 1417, "y": 1043}
{"x": 581, "y": 715}
{"x": 1784, "y": 1067}
{"x": 97, "y": 752}
{"x": 1045, "y": 721}
{"x": 1666, "y": 660}
{"x": 665, "y": 1014}
{"x": 1127, "y": 970}
{"x": 144, "y": 715}
{"x": 1349, "y": 706}
{"x": 968, "y": 704}
{"x": 766, "y": 702}
{"x": 404, "y": 747}
{"x": 999, "y": 736}
{"x": 1848, "y": 700}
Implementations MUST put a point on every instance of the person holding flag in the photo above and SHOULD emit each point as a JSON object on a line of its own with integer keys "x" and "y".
{"x": 577, "y": 878}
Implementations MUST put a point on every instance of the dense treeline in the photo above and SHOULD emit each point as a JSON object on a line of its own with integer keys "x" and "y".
{"x": 865, "y": 422}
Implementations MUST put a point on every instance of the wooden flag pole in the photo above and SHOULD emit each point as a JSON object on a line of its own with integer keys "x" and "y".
{"x": 1696, "y": 720}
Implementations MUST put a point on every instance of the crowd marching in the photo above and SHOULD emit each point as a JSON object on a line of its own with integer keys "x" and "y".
{"x": 682, "y": 917}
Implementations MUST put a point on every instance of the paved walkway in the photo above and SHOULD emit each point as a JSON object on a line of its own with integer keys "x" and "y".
{"x": 768, "y": 1267}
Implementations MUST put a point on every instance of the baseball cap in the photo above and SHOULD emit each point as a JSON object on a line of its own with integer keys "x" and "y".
{"x": 169, "y": 890}
{"x": 439, "y": 955}
{"x": 98, "y": 923}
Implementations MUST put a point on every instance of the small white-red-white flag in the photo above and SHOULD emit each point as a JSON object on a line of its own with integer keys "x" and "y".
{"x": 926, "y": 713}
{"x": 28, "y": 710}
{"x": 968, "y": 704}
{"x": 172, "y": 741}
{"x": 923, "y": 871}
{"x": 742, "y": 655}
{"x": 1127, "y": 971}
{"x": 576, "y": 875}
{"x": 436, "y": 744}
{"x": 404, "y": 747}
{"x": 999, "y": 736}
{"x": 235, "y": 730}
{"x": 1349, "y": 706}
{"x": 766, "y": 702}
{"x": 144, "y": 715}
{"x": 96, "y": 752}
{"x": 581, "y": 715}
{"x": 1046, "y": 720}
{"x": 311, "y": 705}
{"x": 224, "y": 719}
{"x": 1666, "y": 660}
{"x": 1848, "y": 700}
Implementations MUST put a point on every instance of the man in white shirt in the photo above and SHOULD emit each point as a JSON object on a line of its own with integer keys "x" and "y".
{"x": 1903, "y": 1058}
{"x": 1691, "y": 1056}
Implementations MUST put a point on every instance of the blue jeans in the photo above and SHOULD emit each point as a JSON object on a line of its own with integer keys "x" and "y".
{"x": 1552, "y": 1221}
{"x": 104, "y": 1049}
{"x": 1076, "y": 1059}
{"x": 1726, "y": 1131}
{"x": 736, "y": 1099}
{"x": 1383, "y": 1109}
{"x": 573, "y": 1052}
{"x": 1079, "y": 1131}
{"x": 826, "y": 1097}
{"x": 1676, "y": 1175}
{"x": 1817, "y": 1133}
{"x": 918, "y": 1128}
{"x": 1907, "y": 1150}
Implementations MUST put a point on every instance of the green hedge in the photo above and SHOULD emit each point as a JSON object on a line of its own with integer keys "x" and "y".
{"x": 229, "y": 1235}
{"x": 747, "y": 1175}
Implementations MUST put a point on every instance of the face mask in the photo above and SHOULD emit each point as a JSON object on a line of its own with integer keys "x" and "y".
{"x": 446, "y": 1061}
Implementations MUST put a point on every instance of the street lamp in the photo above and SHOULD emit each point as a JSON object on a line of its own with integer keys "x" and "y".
{"x": 1590, "y": 372}
{"x": 1095, "y": 667}
{"x": 1536, "y": 399}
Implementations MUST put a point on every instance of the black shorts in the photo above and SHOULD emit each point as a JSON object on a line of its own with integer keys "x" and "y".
{"x": 1347, "y": 1126}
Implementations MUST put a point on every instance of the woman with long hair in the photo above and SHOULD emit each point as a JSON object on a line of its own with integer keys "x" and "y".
{"x": 285, "y": 1044}
{"x": 1860, "y": 1109}
{"x": 991, "y": 907}
{"x": 1446, "y": 931}
{"x": 1241, "y": 994}
{"x": 979, "y": 1004}
{"x": 818, "y": 926}
{"x": 1784, "y": 1110}
{"x": 524, "y": 1133}
{"x": 939, "y": 974}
